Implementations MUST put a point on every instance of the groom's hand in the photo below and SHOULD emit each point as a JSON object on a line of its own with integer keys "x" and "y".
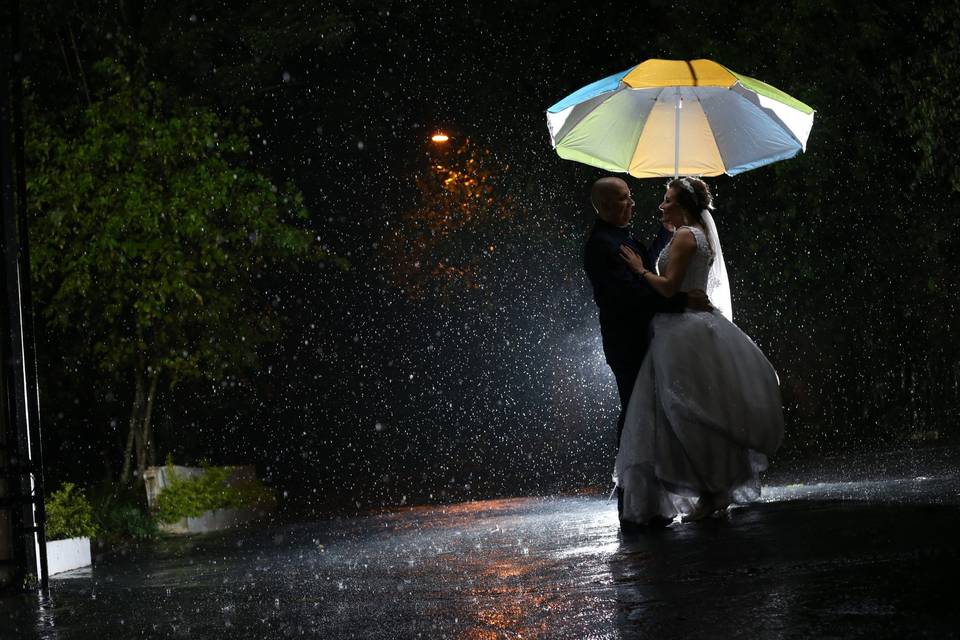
{"x": 697, "y": 300}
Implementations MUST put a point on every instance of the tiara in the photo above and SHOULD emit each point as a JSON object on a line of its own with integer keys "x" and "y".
{"x": 686, "y": 184}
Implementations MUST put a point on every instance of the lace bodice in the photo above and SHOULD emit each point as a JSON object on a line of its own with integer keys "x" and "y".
{"x": 699, "y": 269}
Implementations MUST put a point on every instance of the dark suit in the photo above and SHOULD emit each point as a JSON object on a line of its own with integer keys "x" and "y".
{"x": 625, "y": 302}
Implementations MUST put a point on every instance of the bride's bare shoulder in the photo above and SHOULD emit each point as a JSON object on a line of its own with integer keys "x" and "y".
{"x": 684, "y": 236}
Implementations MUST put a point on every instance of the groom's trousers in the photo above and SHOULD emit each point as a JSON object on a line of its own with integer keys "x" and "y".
{"x": 625, "y": 377}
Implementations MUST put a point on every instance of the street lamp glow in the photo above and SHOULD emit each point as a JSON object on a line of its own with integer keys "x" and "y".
{"x": 439, "y": 137}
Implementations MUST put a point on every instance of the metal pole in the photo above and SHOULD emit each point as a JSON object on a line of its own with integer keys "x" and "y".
{"x": 26, "y": 293}
{"x": 19, "y": 485}
{"x": 14, "y": 400}
{"x": 676, "y": 135}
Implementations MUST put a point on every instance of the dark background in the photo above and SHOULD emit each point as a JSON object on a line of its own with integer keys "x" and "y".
{"x": 843, "y": 260}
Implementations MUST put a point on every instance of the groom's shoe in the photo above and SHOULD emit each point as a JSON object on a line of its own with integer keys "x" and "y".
{"x": 658, "y": 522}
{"x": 629, "y": 527}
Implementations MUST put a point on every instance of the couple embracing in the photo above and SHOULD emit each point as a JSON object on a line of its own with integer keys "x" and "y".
{"x": 700, "y": 403}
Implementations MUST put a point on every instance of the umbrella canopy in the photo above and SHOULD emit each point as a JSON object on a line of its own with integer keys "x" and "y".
{"x": 672, "y": 117}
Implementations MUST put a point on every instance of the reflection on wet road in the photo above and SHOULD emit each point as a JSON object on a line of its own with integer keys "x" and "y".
{"x": 846, "y": 555}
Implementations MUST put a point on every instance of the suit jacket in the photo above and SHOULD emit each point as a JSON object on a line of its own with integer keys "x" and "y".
{"x": 626, "y": 303}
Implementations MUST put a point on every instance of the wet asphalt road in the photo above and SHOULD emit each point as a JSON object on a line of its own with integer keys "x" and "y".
{"x": 836, "y": 549}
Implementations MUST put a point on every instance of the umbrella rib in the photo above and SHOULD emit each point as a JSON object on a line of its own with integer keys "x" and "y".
{"x": 693, "y": 74}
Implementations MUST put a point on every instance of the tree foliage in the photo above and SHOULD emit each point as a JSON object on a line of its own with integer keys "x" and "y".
{"x": 150, "y": 231}
{"x": 926, "y": 80}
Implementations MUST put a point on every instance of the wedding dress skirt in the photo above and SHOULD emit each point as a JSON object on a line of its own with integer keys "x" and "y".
{"x": 704, "y": 415}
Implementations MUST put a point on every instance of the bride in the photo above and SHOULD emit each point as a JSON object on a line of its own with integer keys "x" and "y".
{"x": 705, "y": 410}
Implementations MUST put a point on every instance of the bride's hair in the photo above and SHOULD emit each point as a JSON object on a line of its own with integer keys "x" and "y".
{"x": 693, "y": 194}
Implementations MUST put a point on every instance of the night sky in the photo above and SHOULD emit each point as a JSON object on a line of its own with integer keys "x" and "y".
{"x": 459, "y": 355}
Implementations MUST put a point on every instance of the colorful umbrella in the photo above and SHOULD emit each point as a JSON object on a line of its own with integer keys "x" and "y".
{"x": 673, "y": 117}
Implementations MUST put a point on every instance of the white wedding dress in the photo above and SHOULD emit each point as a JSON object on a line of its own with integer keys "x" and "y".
{"x": 705, "y": 411}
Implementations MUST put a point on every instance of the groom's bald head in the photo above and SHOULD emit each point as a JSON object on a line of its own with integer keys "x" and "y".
{"x": 611, "y": 198}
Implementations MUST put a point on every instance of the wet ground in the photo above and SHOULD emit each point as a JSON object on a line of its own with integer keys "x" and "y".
{"x": 838, "y": 548}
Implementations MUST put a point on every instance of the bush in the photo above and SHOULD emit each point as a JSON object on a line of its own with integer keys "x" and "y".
{"x": 69, "y": 514}
{"x": 127, "y": 520}
{"x": 191, "y": 497}
{"x": 121, "y": 513}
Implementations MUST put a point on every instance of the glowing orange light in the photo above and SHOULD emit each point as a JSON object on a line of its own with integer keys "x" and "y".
{"x": 439, "y": 137}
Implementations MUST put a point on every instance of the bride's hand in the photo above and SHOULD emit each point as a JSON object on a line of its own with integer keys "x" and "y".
{"x": 632, "y": 259}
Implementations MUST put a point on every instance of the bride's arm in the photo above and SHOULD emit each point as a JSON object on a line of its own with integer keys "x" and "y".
{"x": 683, "y": 247}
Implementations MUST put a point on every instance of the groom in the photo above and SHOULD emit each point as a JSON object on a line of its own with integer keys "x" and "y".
{"x": 626, "y": 303}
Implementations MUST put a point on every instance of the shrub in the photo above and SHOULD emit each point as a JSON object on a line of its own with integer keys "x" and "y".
{"x": 192, "y": 497}
{"x": 69, "y": 514}
{"x": 127, "y": 520}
